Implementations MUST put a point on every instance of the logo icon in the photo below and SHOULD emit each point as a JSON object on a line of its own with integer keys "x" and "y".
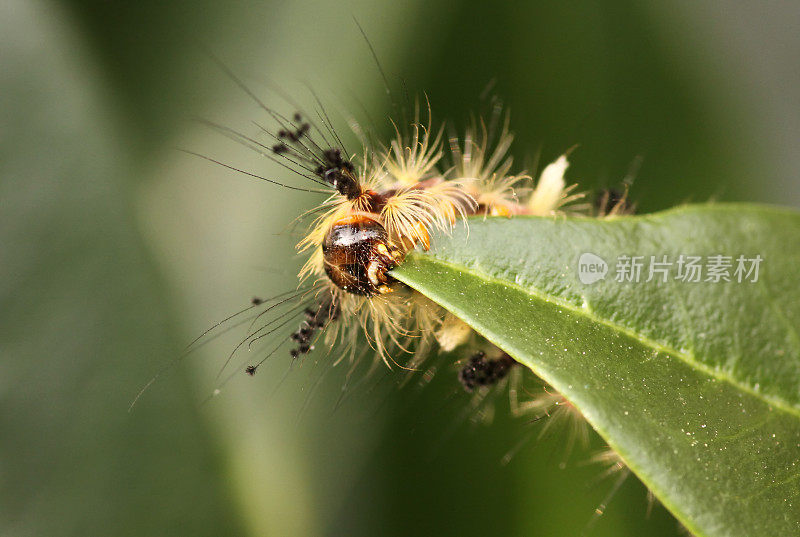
{"x": 591, "y": 268}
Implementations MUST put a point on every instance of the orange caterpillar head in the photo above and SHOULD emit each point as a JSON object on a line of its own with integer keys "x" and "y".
{"x": 357, "y": 255}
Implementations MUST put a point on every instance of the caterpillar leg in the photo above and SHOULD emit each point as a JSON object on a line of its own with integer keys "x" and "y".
{"x": 482, "y": 371}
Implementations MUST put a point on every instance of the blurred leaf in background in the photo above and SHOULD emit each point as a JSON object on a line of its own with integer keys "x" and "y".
{"x": 117, "y": 248}
{"x": 84, "y": 315}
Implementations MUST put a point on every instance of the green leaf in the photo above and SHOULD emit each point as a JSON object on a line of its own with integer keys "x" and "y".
{"x": 695, "y": 385}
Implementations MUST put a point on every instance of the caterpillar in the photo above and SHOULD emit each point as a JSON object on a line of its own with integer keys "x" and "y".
{"x": 383, "y": 201}
{"x": 386, "y": 201}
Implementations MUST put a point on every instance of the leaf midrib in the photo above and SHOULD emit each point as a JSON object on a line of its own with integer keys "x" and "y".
{"x": 689, "y": 360}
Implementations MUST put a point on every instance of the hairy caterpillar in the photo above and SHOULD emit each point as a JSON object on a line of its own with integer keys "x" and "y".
{"x": 384, "y": 200}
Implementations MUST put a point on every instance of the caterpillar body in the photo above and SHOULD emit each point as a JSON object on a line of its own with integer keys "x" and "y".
{"x": 383, "y": 204}
{"x": 385, "y": 200}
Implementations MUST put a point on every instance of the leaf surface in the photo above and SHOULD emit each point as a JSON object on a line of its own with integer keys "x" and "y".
{"x": 695, "y": 384}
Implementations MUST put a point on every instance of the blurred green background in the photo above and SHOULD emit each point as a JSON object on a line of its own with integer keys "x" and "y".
{"x": 117, "y": 249}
